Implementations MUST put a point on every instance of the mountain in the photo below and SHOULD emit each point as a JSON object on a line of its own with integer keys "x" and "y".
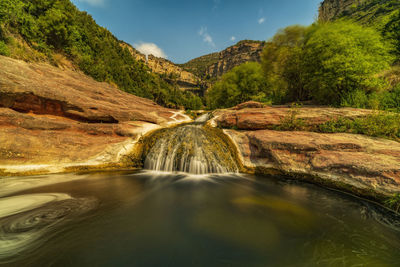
{"x": 168, "y": 70}
{"x": 376, "y": 13}
{"x": 215, "y": 65}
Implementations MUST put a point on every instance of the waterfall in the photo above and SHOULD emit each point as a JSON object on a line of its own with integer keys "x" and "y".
{"x": 192, "y": 149}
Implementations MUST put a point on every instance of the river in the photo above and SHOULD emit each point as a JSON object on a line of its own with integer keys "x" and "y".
{"x": 174, "y": 219}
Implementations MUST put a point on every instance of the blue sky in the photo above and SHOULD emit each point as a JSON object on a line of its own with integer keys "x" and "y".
{"x": 181, "y": 30}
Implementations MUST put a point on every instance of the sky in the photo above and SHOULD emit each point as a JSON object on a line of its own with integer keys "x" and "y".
{"x": 180, "y": 30}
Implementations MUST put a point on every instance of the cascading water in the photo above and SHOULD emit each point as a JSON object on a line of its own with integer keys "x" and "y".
{"x": 191, "y": 148}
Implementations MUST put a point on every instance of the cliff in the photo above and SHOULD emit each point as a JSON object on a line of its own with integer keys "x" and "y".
{"x": 216, "y": 64}
{"x": 168, "y": 70}
{"x": 332, "y": 9}
{"x": 370, "y": 12}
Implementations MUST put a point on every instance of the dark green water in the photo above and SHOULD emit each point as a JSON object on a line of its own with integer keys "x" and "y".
{"x": 144, "y": 219}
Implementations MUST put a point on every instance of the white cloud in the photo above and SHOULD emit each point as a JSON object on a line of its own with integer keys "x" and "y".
{"x": 261, "y": 20}
{"x": 94, "y": 2}
{"x": 233, "y": 38}
{"x": 206, "y": 36}
{"x": 150, "y": 49}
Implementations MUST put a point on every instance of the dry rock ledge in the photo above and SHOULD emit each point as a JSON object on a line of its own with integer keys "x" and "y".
{"x": 54, "y": 120}
{"x": 362, "y": 165}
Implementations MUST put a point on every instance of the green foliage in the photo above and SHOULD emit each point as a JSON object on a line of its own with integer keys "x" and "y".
{"x": 342, "y": 57}
{"x": 393, "y": 202}
{"x": 291, "y": 122}
{"x": 243, "y": 83}
{"x": 57, "y": 26}
{"x": 281, "y": 61}
{"x": 4, "y": 51}
{"x": 385, "y": 125}
{"x": 385, "y": 100}
{"x": 199, "y": 66}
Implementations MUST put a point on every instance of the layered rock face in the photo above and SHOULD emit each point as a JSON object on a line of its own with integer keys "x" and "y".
{"x": 331, "y": 9}
{"x": 269, "y": 117}
{"x": 367, "y": 165}
{"x": 169, "y": 70}
{"x": 217, "y": 64}
{"x": 55, "y": 118}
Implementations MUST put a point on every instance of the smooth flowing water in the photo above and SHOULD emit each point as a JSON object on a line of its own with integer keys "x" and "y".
{"x": 191, "y": 148}
{"x": 155, "y": 219}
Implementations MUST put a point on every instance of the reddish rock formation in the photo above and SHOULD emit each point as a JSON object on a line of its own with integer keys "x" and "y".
{"x": 265, "y": 118}
{"x": 369, "y": 164}
{"x": 50, "y": 116}
{"x": 249, "y": 104}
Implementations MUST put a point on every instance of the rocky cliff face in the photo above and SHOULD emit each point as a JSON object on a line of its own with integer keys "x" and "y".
{"x": 217, "y": 64}
{"x": 331, "y": 9}
{"x": 168, "y": 70}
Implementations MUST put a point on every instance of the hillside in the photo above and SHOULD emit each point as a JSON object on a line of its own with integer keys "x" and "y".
{"x": 168, "y": 70}
{"x": 57, "y": 32}
{"x": 216, "y": 64}
{"x": 383, "y": 15}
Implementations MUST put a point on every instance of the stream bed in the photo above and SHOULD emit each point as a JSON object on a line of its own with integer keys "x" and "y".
{"x": 171, "y": 219}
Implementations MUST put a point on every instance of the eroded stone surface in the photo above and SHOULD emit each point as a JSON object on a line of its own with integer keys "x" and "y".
{"x": 54, "y": 117}
{"x": 363, "y": 162}
{"x": 265, "y": 118}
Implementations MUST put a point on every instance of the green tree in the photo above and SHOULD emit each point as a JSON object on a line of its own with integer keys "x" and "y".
{"x": 341, "y": 57}
{"x": 243, "y": 83}
{"x": 281, "y": 61}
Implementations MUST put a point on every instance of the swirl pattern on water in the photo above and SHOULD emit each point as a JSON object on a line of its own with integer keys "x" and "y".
{"x": 29, "y": 222}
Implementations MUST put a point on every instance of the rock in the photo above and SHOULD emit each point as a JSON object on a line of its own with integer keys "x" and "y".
{"x": 217, "y": 64}
{"x": 249, "y": 104}
{"x": 358, "y": 164}
{"x": 43, "y": 89}
{"x": 166, "y": 68}
{"x": 332, "y": 9}
{"x": 52, "y": 119}
{"x": 266, "y": 118}
{"x": 359, "y": 161}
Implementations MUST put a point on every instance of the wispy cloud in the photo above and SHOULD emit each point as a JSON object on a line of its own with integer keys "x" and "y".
{"x": 261, "y": 20}
{"x": 97, "y": 3}
{"x": 233, "y": 38}
{"x": 216, "y": 4}
{"x": 206, "y": 36}
{"x": 150, "y": 49}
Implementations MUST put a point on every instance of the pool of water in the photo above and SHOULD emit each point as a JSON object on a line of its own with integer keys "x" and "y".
{"x": 155, "y": 219}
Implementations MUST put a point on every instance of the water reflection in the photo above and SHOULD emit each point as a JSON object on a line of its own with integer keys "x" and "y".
{"x": 147, "y": 218}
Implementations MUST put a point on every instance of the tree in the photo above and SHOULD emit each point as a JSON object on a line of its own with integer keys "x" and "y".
{"x": 341, "y": 57}
{"x": 281, "y": 61}
{"x": 243, "y": 83}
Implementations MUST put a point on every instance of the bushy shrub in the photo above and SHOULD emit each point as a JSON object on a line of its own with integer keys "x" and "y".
{"x": 343, "y": 57}
{"x": 382, "y": 124}
{"x": 243, "y": 83}
{"x": 4, "y": 51}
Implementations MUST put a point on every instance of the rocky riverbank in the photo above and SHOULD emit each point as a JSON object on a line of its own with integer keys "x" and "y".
{"x": 53, "y": 120}
{"x": 363, "y": 165}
